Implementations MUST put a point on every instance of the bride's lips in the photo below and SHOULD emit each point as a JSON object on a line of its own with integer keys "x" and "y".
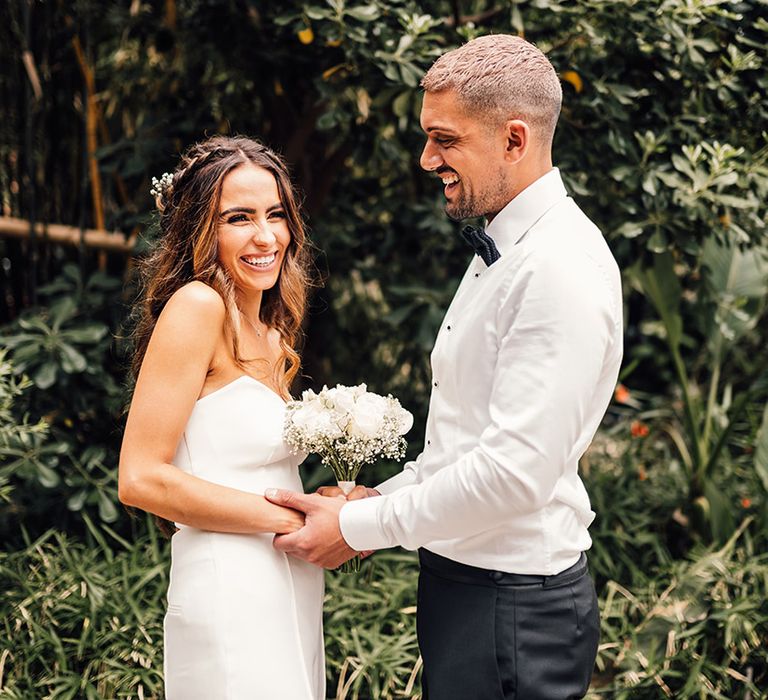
{"x": 260, "y": 263}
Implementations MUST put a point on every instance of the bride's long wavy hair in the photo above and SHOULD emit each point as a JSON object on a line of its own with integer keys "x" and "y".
{"x": 187, "y": 250}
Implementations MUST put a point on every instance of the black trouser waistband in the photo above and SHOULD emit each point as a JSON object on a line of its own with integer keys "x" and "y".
{"x": 464, "y": 573}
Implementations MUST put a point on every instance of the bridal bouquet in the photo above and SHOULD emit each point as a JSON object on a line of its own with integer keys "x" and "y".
{"x": 348, "y": 426}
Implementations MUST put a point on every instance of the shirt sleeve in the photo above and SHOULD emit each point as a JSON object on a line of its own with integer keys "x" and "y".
{"x": 555, "y": 326}
{"x": 406, "y": 477}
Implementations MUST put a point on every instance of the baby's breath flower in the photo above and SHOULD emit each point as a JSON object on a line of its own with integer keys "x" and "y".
{"x": 160, "y": 186}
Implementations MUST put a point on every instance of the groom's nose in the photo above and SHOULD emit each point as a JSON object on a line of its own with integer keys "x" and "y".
{"x": 430, "y": 157}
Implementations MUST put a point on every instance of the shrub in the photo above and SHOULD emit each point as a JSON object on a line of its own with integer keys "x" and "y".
{"x": 67, "y": 348}
{"x": 83, "y": 619}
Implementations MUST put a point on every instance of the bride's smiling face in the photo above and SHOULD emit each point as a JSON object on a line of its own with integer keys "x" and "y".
{"x": 252, "y": 229}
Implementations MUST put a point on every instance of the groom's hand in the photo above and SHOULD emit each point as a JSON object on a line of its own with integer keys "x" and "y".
{"x": 320, "y": 541}
{"x": 356, "y": 493}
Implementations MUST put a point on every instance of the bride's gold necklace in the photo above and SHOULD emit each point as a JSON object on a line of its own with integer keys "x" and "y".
{"x": 252, "y": 325}
{"x": 261, "y": 335}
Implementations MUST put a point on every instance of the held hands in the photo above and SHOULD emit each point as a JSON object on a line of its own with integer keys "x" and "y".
{"x": 356, "y": 493}
{"x": 319, "y": 541}
{"x": 288, "y": 520}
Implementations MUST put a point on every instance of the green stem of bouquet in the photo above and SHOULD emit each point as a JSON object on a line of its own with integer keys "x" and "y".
{"x": 344, "y": 472}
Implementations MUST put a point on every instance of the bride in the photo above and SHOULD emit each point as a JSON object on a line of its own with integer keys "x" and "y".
{"x": 223, "y": 297}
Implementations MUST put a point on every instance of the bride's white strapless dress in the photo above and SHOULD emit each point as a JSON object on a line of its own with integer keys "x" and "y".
{"x": 244, "y": 621}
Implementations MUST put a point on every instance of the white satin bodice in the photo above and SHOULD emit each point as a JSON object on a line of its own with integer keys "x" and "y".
{"x": 234, "y": 438}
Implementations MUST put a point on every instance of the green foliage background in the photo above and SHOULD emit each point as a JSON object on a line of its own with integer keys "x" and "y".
{"x": 662, "y": 141}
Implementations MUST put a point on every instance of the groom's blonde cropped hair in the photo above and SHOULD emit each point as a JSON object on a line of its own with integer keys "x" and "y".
{"x": 500, "y": 77}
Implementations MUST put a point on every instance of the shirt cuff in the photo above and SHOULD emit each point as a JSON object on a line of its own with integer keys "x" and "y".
{"x": 359, "y": 524}
{"x": 404, "y": 478}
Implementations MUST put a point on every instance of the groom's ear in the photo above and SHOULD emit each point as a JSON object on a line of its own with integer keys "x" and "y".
{"x": 517, "y": 135}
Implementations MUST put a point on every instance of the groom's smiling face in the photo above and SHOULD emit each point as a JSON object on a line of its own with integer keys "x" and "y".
{"x": 467, "y": 154}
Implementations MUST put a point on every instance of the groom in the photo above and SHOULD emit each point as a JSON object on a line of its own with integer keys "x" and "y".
{"x": 524, "y": 366}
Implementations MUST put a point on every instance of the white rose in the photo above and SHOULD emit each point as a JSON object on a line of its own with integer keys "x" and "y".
{"x": 313, "y": 420}
{"x": 368, "y": 416}
{"x": 342, "y": 399}
{"x": 404, "y": 420}
{"x": 308, "y": 395}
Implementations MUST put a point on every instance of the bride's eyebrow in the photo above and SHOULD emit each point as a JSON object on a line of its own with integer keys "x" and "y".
{"x": 239, "y": 210}
{"x": 248, "y": 210}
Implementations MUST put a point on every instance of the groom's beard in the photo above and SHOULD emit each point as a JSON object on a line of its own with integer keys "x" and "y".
{"x": 486, "y": 202}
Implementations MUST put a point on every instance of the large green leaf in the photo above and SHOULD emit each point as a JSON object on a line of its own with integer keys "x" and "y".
{"x": 761, "y": 450}
{"x": 662, "y": 287}
{"x": 45, "y": 375}
{"x": 47, "y": 476}
{"x": 88, "y": 333}
{"x": 720, "y": 513}
{"x": 62, "y": 310}
{"x": 107, "y": 510}
{"x": 77, "y": 500}
{"x": 71, "y": 360}
{"x": 738, "y": 282}
{"x": 33, "y": 323}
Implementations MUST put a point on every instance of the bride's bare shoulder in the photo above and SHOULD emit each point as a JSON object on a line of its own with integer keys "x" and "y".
{"x": 193, "y": 308}
{"x": 198, "y": 300}
{"x": 196, "y": 293}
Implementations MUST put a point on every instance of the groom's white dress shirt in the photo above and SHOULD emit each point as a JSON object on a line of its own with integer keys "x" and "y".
{"x": 524, "y": 366}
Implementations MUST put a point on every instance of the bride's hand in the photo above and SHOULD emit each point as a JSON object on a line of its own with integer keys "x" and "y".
{"x": 289, "y": 520}
{"x": 356, "y": 493}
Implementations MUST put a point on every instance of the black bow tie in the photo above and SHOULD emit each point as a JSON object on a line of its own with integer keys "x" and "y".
{"x": 481, "y": 243}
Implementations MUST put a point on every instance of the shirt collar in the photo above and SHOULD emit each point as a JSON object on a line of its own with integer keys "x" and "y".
{"x": 514, "y": 220}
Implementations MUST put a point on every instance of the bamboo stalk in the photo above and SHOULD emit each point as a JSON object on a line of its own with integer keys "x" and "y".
{"x": 91, "y": 127}
{"x": 170, "y": 14}
{"x": 34, "y": 79}
{"x": 67, "y": 235}
{"x": 103, "y": 131}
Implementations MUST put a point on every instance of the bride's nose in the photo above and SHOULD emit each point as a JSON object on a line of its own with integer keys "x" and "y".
{"x": 262, "y": 233}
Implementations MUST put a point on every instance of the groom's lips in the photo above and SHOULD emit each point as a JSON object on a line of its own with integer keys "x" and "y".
{"x": 450, "y": 186}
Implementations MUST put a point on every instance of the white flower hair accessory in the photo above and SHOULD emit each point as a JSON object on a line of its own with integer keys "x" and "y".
{"x": 161, "y": 187}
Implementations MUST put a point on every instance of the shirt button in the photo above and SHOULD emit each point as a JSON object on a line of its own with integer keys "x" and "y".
{"x": 429, "y": 442}
{"x": 436, "y": 384}
{"x": 477, "y": 274}
{"x": 447, "y": 328}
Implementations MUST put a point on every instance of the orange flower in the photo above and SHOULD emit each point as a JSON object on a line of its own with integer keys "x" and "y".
{"x": 306, "y": 35}
{"x": 621, "y": 394}
{"x": 638, "y": 429}
{"x": 641, "y": 473}
{"x": 746, "y": 502}
{"x": 572, "y": 77}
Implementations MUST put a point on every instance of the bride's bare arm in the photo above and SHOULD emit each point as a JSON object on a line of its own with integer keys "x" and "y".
{"x": 172, "y": 375}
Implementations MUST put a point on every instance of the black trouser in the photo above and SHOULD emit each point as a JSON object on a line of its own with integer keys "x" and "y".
{"x": 489, "y": 635}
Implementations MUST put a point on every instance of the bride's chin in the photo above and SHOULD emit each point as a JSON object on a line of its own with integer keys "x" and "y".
{"x": 259, "y": 286}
